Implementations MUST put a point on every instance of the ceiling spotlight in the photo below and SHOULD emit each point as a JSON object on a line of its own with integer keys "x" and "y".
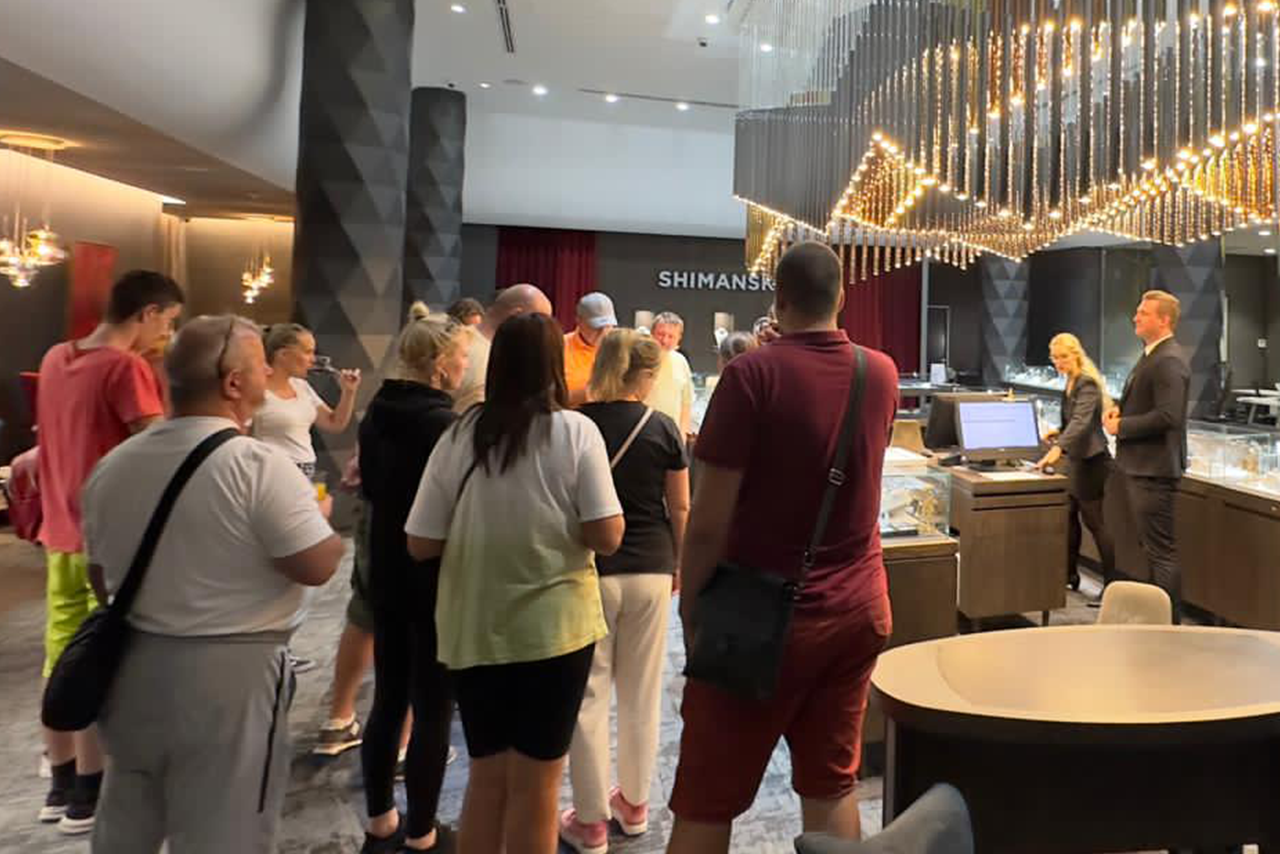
{"x": 486, "y": 85}
{"x": 1269, "y": 250}
{"x": 611, "y": 98}
{"x": 766, "y": 48}
{"x": 682, "y": 106}
{"x": 457, "y": 8}
{"x": 539, "y": 90}
{"x": 712, "y": 19}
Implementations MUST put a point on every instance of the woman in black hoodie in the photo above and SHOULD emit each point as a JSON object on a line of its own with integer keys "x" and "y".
{"x": 403, "y": 423}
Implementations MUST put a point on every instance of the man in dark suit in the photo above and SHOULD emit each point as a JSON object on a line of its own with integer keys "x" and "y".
{"x": 1150, "y": 426}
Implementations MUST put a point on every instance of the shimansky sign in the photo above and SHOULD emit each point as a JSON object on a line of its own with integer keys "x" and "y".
{"x": 698, "y": 280}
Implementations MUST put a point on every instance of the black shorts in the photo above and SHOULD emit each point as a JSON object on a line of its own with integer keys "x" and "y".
{"x": 530, "y": 707}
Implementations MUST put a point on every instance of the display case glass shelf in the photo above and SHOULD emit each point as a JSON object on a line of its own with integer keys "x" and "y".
{"x": 1234, "y": 455}
{"x": 1043, "y": 377}
{"x": 915, "y": 497}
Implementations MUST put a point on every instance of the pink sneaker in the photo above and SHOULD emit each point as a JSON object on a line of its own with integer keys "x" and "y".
{"x": 634, "y": 818}
{"x": 584, "y": 837}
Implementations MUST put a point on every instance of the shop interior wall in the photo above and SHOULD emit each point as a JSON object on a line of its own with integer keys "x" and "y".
{"x": 1065, "y": 296}
{"x": 1273, "y": 323}
{"x": 218, "y": 251}
{"x": 1248, "y": 279}
{"x": 960, "y": 291}
{"x": 81, "y": 207}
{"x": 479, "y": 261}
{"x": 627, "y": 269}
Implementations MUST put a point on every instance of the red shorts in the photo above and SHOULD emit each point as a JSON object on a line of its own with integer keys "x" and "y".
{"x": 818, "y": 708}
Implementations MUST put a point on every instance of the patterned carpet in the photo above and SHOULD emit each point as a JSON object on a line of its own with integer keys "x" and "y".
{"x": 325, "y": 807}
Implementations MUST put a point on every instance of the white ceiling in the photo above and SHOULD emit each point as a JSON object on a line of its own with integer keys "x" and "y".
{"x": 223, "y": 77}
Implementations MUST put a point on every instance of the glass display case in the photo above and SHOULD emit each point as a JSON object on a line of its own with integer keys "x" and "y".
{"x": 1234, "y": 455}
{"x": 703, "y": 385}
{"x": 915, "y": 497}
{"x": 1048, "y": 379}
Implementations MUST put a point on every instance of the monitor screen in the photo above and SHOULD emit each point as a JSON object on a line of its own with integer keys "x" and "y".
{"x": 1005, "y": 425}
{"x": 940, "y": 429}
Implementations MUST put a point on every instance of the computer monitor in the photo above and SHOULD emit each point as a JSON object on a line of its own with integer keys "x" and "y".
{"x": 940, "y": 430}
{"x": 996, "y": 430}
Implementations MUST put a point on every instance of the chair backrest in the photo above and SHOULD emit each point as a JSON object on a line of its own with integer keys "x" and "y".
{"x": 907, "y": 434}
{"x": 1135, "y": 603}
{"x": 937, "y": 823}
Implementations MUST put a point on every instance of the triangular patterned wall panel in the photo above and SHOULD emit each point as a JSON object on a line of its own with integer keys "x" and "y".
{"x": 1194, "y": 274}
{"x": 1005, "y": 293}
{"x": 353, "y": 155}
{"x": 433, "y": 226}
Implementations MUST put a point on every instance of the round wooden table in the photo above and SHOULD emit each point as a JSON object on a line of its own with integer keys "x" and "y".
{"x": 1091, "y": 738}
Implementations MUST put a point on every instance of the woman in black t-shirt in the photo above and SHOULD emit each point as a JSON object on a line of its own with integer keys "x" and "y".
{"x": 651, "y": 475}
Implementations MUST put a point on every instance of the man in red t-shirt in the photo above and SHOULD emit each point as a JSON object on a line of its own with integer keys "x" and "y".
{"x": 765, "y": 448}
{"x": 93, "y": 394}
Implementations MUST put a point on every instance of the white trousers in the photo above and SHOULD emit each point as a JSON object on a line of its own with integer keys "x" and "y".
{"x": 637, "y": 608}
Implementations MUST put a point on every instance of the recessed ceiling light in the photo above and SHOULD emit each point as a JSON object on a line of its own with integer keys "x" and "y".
{"x": 170, "y": 200}
{"x": 486, "y": 85}
{"x": 712, "y": 19}
{"x": 766, "y": 48}
{"x": 682, "y": 106}
{"x": 539, "y": 90}
{"x": 1269, "y": 251}
{"x": 458, "y": 8}
{"x": 611, "y": 98}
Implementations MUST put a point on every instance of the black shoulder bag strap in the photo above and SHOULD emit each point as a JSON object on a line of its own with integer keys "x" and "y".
{"x": 836, "y": 474}
{"x": 122, "y": 601}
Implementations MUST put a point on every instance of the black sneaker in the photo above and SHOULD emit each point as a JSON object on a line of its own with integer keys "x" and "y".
{"x": 78, "y": 819}
{"x": 55, "y": 806}
{"x": 384, "y": 844}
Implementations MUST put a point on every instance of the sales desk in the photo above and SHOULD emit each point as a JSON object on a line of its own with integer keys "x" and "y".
{"x": 1228, "y": 539}
{"x": 1012, "y": 527}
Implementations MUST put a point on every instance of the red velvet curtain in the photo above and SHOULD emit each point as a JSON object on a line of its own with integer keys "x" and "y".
{"x": 883, "y": 312}
{"x": 561, "y": 263}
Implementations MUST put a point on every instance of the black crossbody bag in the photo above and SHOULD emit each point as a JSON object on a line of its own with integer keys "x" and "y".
{"x": 82, "y": 675}
{"x": 744, "y": 615}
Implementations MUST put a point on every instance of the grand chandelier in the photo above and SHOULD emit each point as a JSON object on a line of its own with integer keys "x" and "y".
{"x": 25, "y": 249}
{"x": 903, "y": 129}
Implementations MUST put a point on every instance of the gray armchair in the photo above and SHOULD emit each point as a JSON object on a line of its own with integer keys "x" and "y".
{"x": 937, "y": 823}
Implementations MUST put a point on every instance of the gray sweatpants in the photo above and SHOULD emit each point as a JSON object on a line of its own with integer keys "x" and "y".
{"x": 197, "y": 739}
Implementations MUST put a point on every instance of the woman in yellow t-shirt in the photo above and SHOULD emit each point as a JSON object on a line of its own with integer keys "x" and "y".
{"x": 515, "y": 498}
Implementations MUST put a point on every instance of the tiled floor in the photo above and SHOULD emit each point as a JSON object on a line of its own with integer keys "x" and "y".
{"x": 325, "y": 808}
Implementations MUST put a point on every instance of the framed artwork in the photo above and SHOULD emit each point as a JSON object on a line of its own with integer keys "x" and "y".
{"x": 92, "y": 272}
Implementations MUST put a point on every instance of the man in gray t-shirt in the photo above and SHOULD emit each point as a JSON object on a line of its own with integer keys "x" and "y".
{"x": 195, "y": 725}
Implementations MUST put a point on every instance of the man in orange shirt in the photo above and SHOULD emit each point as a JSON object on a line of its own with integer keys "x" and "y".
{"x": 595, "y": 318}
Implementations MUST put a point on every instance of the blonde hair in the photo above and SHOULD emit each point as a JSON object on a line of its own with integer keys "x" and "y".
{"x": 1167, "y": 306}
{"x": 425, "y": 340}
{"x": 281, "y": 336}
{"x": 1070, "y": 344}
{"x": 419, "y": 311}
{"x": 622, "y": 356}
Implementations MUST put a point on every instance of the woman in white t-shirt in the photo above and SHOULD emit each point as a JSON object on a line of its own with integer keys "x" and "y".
{"x": 515, "y": 497}
{"x": 292, "y": 406}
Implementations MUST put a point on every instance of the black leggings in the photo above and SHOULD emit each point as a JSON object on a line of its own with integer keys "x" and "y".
{"x": 406, "y": 670}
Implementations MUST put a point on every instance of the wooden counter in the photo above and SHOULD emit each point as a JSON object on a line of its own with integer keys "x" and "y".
{"x": 1013, "y": 541}
{"x": 1228, "y": 547}
{"x": 922, "y": 593}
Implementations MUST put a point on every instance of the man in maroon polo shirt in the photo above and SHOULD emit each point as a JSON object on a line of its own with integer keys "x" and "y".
{"x": 765, "y": 447}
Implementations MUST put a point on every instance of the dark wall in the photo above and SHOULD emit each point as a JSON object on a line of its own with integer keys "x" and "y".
{"x": 1272, "y": 292}
{"x": 1066, "y": 296}
{"x": 627, "y": 270}
{"x": 479, "y": 261}
{"x": 1126, "y": 275}
{"x": 961, "y": 291}
{"x": 1247, "y": 280}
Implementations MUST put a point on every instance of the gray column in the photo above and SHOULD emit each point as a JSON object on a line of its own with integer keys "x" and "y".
{"x": 1193, "y": 274}
{"x": 353, "y": 154}
{"x": 433, "y": 206}
{"x": 1005, "y": 293}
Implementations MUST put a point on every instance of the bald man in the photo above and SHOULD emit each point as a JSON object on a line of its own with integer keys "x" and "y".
{"x": 517, "y": 299}
{"x": 196, "y": 726}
